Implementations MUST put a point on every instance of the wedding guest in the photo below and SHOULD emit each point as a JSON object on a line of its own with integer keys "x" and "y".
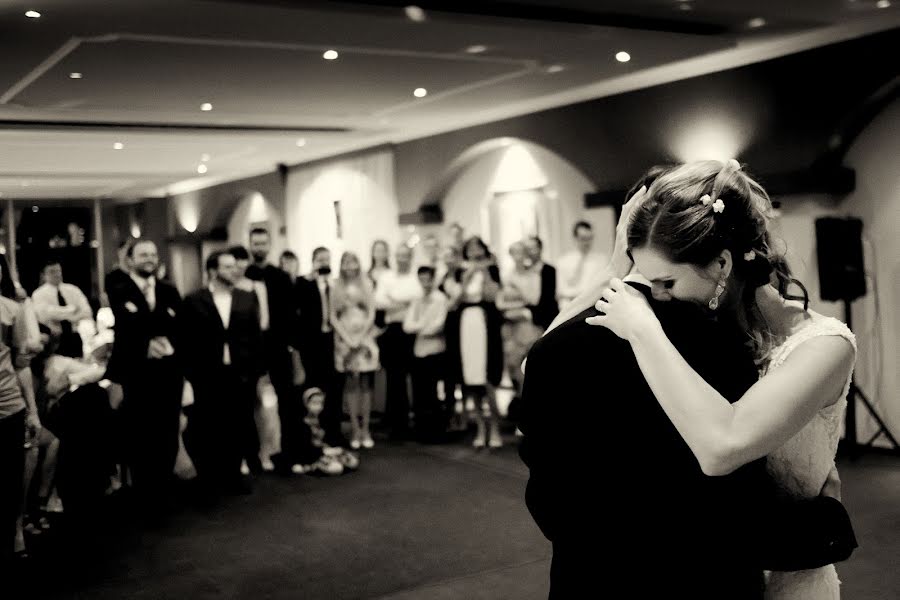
{"x": 577, "y": 268}
{"x": 60, "y": 306}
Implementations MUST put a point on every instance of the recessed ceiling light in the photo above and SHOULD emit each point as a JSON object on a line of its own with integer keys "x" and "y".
{"x": 476, "y": 49}
{"x": 301, "y": 142}
{"x": 34, "y": 209}
{"x": 883, "y": 3}
{"x": 420, "y": 92}
{"x": 33, "y": 14}
{"x": 206, "y": 106}
{"x": 414, "y": 13}
{"x": 75, "y": 75}
{"x": 623, "y": 57}
{"x": 756, "y": 23}
{"x": 204, "y": 158}
{"x": 554, "y": 69}
{"x": 685, "y": 6}
{"x": 118, "y": 146}
{"x": 330, "y": 55}
{"x": 201, "y": 169}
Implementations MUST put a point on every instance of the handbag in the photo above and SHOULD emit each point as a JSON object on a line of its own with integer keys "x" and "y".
{"x": 806, "y": 534}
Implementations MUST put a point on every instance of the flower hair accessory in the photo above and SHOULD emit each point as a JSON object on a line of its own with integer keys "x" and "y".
{"x": 732, "y": 163}
{"x": 748, "y": 256}
{"x": 717, "y": 205}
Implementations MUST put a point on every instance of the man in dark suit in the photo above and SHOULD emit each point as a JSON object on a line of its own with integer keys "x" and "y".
{"x": 610, "y": 476}
{"x": 547, "y": 307}
{"x": 145, "y": 363}
{"x": 314, "y": 297}
{"x": 222, "y": 346}
{"x": 279, "y": 341}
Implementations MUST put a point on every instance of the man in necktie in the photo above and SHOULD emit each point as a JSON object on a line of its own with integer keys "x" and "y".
{"x": 222, "y": 345}
{"x": 145, "y": 363}
{"x": 60, "y": 306}
{"x": 281, "y": 342}
{"x": 314, "y": 292}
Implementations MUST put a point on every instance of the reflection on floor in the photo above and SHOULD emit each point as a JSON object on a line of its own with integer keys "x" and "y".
{"x": 415, "y": 522}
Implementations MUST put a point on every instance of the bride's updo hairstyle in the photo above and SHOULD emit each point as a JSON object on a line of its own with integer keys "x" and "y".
{"x": 695, "y": 211}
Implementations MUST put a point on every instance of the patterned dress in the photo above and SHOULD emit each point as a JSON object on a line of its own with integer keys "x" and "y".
{"x": 801, "y": 466}
{"x": 354, "y": 306}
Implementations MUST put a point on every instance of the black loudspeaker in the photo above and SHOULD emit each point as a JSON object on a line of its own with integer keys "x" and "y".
{"x": 840, "y": 254}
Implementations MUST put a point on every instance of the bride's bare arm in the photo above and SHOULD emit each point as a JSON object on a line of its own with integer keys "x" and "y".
{"x": 726, "y": 436}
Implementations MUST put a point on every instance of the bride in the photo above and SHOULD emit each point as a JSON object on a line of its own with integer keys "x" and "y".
{"x": 700, "y": 234}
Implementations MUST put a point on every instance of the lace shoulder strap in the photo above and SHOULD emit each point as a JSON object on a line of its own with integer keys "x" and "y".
{"x": 820, "y": 326}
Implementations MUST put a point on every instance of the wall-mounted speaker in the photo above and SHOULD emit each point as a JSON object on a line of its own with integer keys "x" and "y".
{"x": 839, "y": 251}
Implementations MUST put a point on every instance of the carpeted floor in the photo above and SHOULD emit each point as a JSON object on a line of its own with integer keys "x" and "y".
{"x": 415, "y": 522}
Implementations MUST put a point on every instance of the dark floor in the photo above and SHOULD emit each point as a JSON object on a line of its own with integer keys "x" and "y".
{"x": 415, "y": 522}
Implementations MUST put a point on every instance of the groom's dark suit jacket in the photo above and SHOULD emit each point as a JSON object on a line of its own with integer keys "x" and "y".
{"x": 613, "y": 485}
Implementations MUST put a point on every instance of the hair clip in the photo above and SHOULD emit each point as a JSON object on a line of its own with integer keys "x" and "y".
{"x": 705, "y": 199}
{"x": 748, "y": 256}
{"x": 734, "y": 164}
{"x": 718, "y": 206}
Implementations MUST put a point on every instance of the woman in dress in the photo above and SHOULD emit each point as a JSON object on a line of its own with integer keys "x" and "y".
{"x": 476, "y": 323}
{"x": 700, "y": 234}
{"x": 355, "y": 350}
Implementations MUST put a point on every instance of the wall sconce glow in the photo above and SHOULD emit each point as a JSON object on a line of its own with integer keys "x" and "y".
{"x": 258, "y": 210}
{"x": 202, "y": 169}
{"x": 623, "y": 57}
{"x": 118, "y": 146}
{"x": 756, "y": 23}
{"x": 517, "y": 171}
{"x": 206, "y": 107}
{"x": 330, "y": 55}
{"x": 135, "y": 230}
{"x": 414, "y": 13}
{"x": 75, "y": 75}
{"x": 420, "y": 92}
{"x": 188, "y": 213}
{"x": 33, "y": 14}
{"x": 705, "y": 138}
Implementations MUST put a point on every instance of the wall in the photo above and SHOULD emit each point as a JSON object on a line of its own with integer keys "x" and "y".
{"x": 364, "y": 187}
{"x": 877, "y": 316}
{"x": 562, "y": 184}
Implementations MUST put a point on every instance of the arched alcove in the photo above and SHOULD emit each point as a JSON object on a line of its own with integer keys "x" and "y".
{"x": 505, "y": 188}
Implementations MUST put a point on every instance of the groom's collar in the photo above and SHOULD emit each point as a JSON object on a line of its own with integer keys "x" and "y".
{"x": 635, "y": 277}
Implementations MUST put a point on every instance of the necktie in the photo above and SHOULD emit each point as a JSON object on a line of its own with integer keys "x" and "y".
{"x": 64, "y": 324}
{"x": 326, "y": 308}
{"x": 149, "y": 295}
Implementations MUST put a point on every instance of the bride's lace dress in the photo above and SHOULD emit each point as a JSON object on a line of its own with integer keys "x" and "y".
{"x": 802, "y": 465}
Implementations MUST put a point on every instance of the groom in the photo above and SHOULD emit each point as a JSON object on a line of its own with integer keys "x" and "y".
{"x": 611, "y": 477}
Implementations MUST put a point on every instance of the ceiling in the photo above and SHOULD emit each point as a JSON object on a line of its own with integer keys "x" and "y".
{"x": 147, "y": 66}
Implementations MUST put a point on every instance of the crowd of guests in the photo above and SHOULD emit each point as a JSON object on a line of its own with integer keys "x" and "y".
{"x": 117, "y": 398}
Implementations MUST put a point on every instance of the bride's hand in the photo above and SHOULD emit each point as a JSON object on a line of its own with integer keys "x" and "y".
{"x": 626, "y": 310}
{"x": 620, "y": 263}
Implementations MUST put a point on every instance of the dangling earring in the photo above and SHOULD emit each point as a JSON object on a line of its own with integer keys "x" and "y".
{"x": 714, "y": 301}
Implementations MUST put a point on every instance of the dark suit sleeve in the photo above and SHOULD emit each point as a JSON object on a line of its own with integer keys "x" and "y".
{"x": 536, "y": 448}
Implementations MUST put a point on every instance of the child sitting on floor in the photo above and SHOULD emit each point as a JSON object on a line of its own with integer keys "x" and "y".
{"x": 333, "y": 460}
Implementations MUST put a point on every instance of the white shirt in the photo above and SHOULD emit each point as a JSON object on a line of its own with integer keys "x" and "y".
{"x": 50, "y": 313}
{"x": 222, "y": 298}
{"x": 325, "y": 296}
{"x": 425, "y": 318}
{"x": 395, "y": 293}
{"x": 574, "y": 271}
